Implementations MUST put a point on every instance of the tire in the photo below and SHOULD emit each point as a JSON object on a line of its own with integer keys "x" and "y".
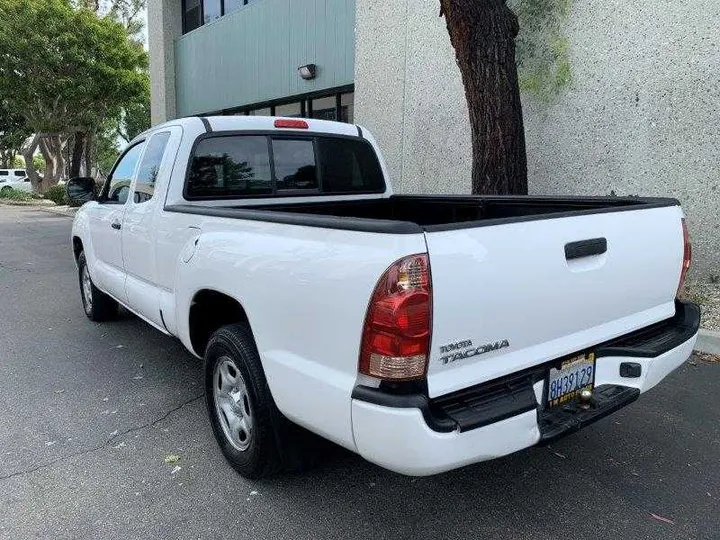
{"x": 98, "y": 306}
{"x": 245, "y": 420}
{"x": 6, "y": 189}
{"x": 273, "y": 443}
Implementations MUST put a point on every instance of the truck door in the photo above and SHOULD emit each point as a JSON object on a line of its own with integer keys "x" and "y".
{"x": 138, "y": 231}
{"x": 107, "y": 270}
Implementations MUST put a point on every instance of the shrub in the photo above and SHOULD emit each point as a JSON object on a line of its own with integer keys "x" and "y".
{"x": 14, "y": 194}
{"x": 57, "y": 194}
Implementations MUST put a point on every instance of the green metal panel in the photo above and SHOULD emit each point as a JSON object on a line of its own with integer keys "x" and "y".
{"x": 252, "y": 54}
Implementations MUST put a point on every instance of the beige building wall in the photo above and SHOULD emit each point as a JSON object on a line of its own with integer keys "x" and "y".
{"x": 641, "y": 115}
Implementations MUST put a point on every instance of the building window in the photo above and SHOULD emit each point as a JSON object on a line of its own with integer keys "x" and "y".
{"x": 192, "y": 15}
{"x": 199, "y": 12}
{"x": 338, "y": 106}
{"x": 212, "y": 9}
{"x": 324, "y": 108}
{"x": 347, "y": 107}
{"x": 289, "y": 110}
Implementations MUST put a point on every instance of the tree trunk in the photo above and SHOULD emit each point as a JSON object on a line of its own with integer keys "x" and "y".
{"x": 51, "y": 148}
{"x": 7, "y": 159}
{"x": 28, "y": 150}
{"x": 483, "y": 33}
{"x": 76, "y": 159}
{"x": 87, "y": 149}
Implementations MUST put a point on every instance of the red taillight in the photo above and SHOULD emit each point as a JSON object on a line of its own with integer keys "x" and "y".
{"x": 396, "y": 336}
{"x": 687, "y": 256}
{"x": 291, "y": 123}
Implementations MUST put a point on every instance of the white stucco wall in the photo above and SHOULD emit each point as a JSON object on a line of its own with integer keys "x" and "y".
{"x": 641, "y": 116}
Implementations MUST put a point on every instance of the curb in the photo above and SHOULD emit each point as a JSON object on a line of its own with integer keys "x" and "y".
{"x": 58, "y": 211}
{"x": 708, "y": 341}
{"x": 10, "y": 202}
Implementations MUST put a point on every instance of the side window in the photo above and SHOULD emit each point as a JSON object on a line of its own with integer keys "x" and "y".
{"x": 20, "y": 174}
{"x": 232, "y": 166}
{"x": 117, "y": 186}
{"x": 294, "y": 164}
{"x": 4, "y": 173}
{"x": 349, "y": 166}
{"x": 149, "y": 167}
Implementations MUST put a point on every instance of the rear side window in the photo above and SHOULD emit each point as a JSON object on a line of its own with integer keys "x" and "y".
{"x": 236, "y": 166}
{"x": 149, "y": 167}
{"x": 4, "y": 173}
{"x": 349, "y": 166}
{"x": 230, "y": 167}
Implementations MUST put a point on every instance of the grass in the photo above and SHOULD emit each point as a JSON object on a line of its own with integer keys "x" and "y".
{"x": 15, "y": 194}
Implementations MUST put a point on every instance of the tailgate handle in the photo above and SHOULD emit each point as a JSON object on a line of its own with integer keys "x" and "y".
{"x": 585, "y": 248}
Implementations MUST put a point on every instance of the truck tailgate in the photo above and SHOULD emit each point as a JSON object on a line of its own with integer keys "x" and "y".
{"x": 510, "y": 296}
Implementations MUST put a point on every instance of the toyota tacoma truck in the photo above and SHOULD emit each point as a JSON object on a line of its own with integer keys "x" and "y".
{"x": 424, "y": 333}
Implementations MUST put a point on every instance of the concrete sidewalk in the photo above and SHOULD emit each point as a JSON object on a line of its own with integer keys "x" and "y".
{"x": 708, "y": 342}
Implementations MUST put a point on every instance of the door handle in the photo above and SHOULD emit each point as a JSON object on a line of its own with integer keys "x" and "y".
{"x": 116, "y": 225}
{"x": 585, "y": 248}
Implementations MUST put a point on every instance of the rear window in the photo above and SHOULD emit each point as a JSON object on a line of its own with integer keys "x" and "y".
{"x": 234, "y": 166}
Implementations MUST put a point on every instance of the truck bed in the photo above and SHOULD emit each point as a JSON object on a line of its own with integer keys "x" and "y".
{"x": 418, "y": 213}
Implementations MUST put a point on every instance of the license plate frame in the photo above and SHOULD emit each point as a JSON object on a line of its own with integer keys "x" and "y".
{"x": 565, "y": 382}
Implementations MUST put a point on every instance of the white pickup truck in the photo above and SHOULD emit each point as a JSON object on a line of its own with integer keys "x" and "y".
{"x": 422, "y": 332}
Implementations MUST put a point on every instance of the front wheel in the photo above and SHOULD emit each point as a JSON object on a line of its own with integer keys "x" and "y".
{"x": 98, "y": 305}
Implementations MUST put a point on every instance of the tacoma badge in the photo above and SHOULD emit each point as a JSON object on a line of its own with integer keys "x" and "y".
{"x": 469, "y": 352}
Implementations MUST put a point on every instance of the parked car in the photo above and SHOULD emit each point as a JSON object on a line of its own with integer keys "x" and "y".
{"x": 14, "y": 179}
{"x": 424, "y": 333}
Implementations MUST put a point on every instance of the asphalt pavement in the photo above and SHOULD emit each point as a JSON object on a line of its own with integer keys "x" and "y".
{"x": 89, "y": 412}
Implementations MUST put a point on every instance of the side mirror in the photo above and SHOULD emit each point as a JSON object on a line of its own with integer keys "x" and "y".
{"x": 81, "y": 190}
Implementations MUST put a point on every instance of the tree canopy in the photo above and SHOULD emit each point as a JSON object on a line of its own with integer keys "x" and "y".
{"x": 63, "y": 68}
{"x": 69, "y": 73}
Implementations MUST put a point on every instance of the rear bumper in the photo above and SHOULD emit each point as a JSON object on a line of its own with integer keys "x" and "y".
{"x": 413, "y": 435}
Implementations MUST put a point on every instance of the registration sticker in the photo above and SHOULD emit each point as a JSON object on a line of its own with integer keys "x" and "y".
{"x": 574, "y": 375}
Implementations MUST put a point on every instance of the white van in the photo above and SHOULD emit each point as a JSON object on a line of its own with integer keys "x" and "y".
{"x": 14, "y": 179}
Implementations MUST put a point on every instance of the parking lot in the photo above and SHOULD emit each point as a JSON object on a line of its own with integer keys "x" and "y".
{"x": 89, "y": 413}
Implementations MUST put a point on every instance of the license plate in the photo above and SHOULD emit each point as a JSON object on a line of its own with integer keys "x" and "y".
{"x": 574, "y": 375}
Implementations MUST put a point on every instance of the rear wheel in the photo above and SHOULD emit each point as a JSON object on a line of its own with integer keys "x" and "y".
{"x": 98, "y": 305}
{"x": 6, "y": 189}
{"x": 254, "y": 436}
{"x": 242, "y": 412}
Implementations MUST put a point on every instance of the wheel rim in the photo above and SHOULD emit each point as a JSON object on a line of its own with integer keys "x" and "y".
{"x": 232, "y": 403}
{"x": 87, "y": 289}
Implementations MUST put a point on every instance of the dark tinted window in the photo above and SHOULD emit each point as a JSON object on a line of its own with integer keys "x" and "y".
{"x": 4, "y": 173}
{"x": 230, "y": 166}
{"x": 117, "y": 186}
{"x": 239, "y": 166}
{"x": 149, "y": 167}
{"x": 20, "y": 173}
{"x": 295, "y": 164}
{"x": 193, "y": 15}
{"x": 349, "y": 166}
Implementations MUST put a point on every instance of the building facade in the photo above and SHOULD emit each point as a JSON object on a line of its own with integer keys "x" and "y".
{"x": 640, "y": 114}
{"x": 244, "y": 57}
